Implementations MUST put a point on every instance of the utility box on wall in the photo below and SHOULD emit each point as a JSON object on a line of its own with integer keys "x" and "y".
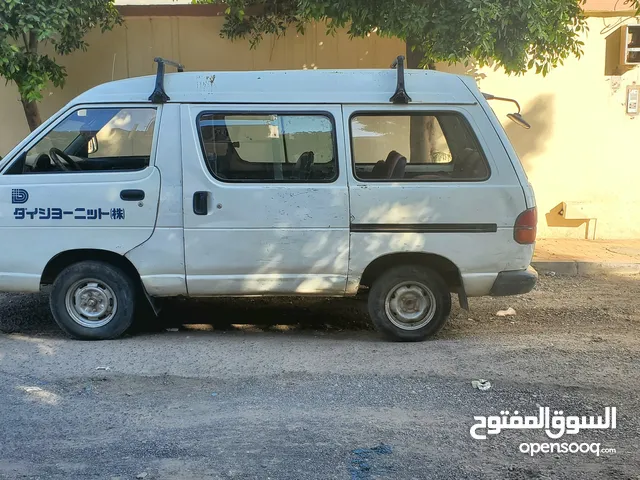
{"x": 633, "y": 100}
{"x": 630, "y": 45}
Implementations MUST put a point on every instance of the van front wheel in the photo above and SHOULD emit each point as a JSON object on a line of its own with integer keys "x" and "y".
{"x": 93, "y": 300}
{"x": 409, "y": 303}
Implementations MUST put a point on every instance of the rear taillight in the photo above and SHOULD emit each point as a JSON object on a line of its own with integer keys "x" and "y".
{"x": 524, "y": 230}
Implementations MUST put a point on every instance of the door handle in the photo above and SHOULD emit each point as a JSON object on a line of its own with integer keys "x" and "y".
{"x": 200, "y": 203}
{"x": 132, "y": 195}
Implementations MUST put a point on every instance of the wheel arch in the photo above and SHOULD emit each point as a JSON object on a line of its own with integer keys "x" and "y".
{"x": 442, "y": 265}
{"x": 63, "y": 259}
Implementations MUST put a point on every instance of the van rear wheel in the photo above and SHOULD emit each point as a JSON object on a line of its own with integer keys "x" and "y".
{"x": 409, "y": 303}
{"x": 93, "y": 300}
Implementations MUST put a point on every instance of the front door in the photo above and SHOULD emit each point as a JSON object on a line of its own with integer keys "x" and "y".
{"x": 265, "y": 200}
{"x": 87, "y": 182}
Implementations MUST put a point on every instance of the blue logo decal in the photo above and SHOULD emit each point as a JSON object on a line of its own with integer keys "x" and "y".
{"x": 19, "y": 195}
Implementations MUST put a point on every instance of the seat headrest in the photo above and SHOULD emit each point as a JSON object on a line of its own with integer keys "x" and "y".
{"x": 399, "y": 168}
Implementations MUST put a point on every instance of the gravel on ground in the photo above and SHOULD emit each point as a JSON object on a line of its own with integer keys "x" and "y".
{"x": 289, "y": 389}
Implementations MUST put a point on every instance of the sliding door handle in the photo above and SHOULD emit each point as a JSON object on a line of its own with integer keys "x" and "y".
{"x": 201, "y": 203}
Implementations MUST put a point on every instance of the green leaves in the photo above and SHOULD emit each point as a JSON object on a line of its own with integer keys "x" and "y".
{"x": 27, "y": 24}
{"x": 517, "y": 35}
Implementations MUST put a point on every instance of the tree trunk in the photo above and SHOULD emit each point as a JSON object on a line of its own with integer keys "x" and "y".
{"x": 415, "y": 56}
{"x": 421, "y": 128}
{"x": 31, "y": 110}
{"x": 32, "y": 113}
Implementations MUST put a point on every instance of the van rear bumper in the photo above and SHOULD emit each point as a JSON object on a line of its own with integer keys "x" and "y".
{"x": 514, "y": 282}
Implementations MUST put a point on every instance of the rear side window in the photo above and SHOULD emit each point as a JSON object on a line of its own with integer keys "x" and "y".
{"x": 93, "y": 140}
{"x": 269, "y": 147}
{"x": 416, "y": 147}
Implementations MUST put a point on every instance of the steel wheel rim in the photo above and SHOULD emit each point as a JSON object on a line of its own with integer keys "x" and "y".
{"x": 91, "y": 303}
{"x": 410, "y": 305}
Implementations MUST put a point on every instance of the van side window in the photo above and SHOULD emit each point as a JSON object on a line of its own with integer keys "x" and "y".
{"x": 93, "y": 140}
{"x": 416, "y": 147}
{"x": 269, "y": 147}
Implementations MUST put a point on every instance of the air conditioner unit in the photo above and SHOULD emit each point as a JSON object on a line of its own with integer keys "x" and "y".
{"x": 630, "y": 45}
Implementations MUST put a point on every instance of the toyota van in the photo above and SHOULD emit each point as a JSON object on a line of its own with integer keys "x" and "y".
{"x": 397, "y": 185}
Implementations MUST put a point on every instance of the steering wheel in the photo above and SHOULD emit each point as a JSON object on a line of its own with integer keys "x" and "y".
{"x": 58, "y": 155}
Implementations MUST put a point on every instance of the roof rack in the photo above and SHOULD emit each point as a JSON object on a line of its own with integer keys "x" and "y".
{"x": 401, "y": 95}
{"x": 159, "y": 95}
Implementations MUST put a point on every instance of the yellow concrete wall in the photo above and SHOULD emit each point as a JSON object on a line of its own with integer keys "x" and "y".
{"x": 195, "y": 41}
{"x": 581, "y": 148}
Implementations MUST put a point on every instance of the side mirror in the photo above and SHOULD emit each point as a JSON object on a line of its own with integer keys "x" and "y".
{"x": 515, "y": 117}
{"x": 518, "y": 119}
{"x": 92, "y": 146}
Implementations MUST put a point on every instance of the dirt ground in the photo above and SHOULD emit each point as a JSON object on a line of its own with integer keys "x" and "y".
{"x": 593, "y": 251}
{"x": 570, "y": 305}
{"x": 283, "y": 388}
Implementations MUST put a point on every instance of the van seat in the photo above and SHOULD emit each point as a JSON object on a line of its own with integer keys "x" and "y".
{"x": 304, "y": 164}
{"x": 399, "y": 168}
{"x": 387, "y": 168}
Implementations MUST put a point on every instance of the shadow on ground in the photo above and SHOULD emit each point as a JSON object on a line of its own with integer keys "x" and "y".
{"x": 572, "y": 305}
{"x": 265, "y": 313}
{"x": 29, "y": 314}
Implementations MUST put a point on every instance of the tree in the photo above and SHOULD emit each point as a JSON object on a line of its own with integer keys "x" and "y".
{"x": 28, "y": 26}
{"x": 517, "y": 35}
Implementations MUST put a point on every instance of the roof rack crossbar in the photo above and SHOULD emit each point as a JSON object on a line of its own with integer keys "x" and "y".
{"x": 159, "y": 95}
{"x": 401, "y": 95}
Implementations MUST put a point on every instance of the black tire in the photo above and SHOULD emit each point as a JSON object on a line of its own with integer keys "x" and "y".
{"x": 121, "y": 300}
{"x": 425, "y": 280}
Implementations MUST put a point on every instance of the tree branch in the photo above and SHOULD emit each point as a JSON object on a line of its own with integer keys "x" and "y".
{"x": 26, "y": 42}
{"x": 33, "y": 42}
{"x": 25, "y": 24}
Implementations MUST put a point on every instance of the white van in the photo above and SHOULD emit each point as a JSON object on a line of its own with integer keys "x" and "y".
{"x": 397, "y": 184}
